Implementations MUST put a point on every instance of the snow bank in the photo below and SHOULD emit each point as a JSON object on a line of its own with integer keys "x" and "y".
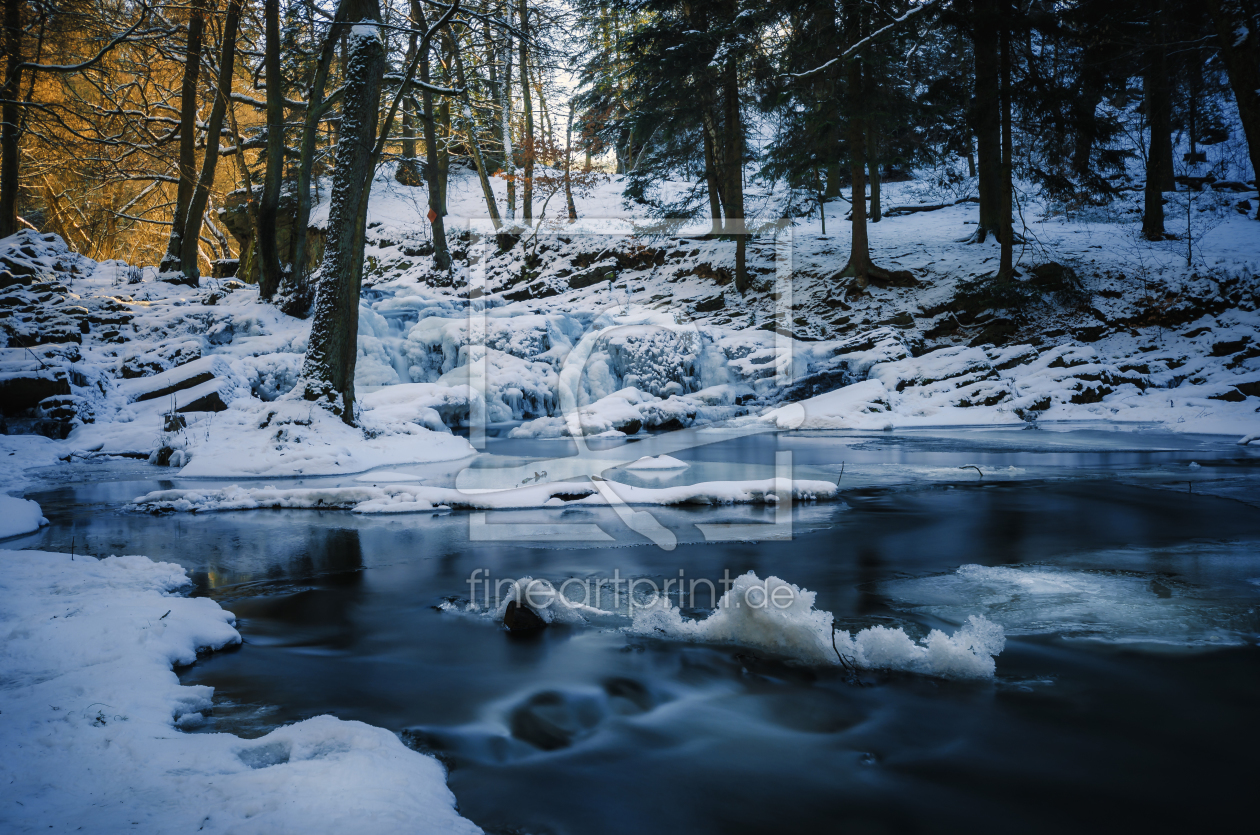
{"x": 779, "y": 617}
{"x": 660, "y": 462}
{"x": 404, "y": 498}
{"x": 294, "y": 437}
{"x": 91, "y": 711}
{"x": 19, "y": 516}
{"x": 859, "y": 406}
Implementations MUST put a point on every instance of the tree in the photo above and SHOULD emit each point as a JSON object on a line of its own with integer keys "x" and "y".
{"x": 269, "y": 206}
{"x": 1238, "y": 35}
{"x": 1159, "y": 162}
{"x": 190, "y": 271}
{"x": 328, "y": 370}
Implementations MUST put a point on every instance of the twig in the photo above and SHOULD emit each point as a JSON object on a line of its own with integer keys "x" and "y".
{"x": 972, "y": 467}
{"x": 849, "y": 665}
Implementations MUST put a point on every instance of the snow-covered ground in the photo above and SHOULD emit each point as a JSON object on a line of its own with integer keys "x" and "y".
{"x": 599, "y": 333}
{"x": 92, "y": 721}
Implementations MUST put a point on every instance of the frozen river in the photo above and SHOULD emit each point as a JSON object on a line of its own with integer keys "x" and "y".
{"x": 1123, "y": 566}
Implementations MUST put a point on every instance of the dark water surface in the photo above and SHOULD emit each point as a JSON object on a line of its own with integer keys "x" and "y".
{"x": 1127, "y": 699}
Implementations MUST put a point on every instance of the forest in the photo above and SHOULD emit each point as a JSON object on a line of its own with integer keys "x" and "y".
{"x": 574, "y": 417}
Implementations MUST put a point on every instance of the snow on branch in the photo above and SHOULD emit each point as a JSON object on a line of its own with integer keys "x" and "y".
{"x": 862, "y": 44}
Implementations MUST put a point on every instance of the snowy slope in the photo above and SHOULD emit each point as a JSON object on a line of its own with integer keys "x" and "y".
{"x": 592, "y": 329}
{"x": 91, "y": 719}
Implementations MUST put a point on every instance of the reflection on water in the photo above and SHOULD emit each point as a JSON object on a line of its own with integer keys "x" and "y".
{"x": 588, "y": 730}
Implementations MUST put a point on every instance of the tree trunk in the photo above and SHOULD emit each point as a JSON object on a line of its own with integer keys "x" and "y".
{"x": 714, "y": 186}
{"x": 1086, "y": 106}
{"x": 1006, "y": 235}
{"x": 527, "y": 111}
{"x": 986, "y": 117}
{"x": 470, "y": 127}
{"x": 860, "y": 268}
{"x": 568, "y": 164}
{"x": 269, "y": 267}
{"x": 187, "y": 137}
{"x": 872, "y": 163}
{"x": 328, "y": 371}
{"x": 295, "y": 291}
{"x": 1159, "y": 170}
{"x": 505, "y": 118}
{"x": 1241, "y": 54}
{"x": 734, "y": 164}
{"x": 214, "y": 127}
{"x": 433, "y": 174}
{"x": 10, "y": 136}
{"x": 859, "y": 265}
{"x": 408, "y": 172}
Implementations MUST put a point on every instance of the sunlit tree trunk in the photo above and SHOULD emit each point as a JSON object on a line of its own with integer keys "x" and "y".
{"x": 187, "y": 136}
{"x": 269, "y": 266}
{"x": 214, "y": 127}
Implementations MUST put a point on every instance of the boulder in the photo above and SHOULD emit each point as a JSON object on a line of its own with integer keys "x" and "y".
{"x": 520, "y": 619}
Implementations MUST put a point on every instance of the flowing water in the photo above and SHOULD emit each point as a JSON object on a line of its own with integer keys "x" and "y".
{"x": 1127, "y": 580}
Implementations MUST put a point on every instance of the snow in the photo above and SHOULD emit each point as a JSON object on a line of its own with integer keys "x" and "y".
{"x": 19, "y": 516}
{"x": 405, "y": 498}
{"x": 860, "y": 406}
{"x": 779, "y": 617}
{"x": 92, "y": 712}
{"x": 660, "y": 462}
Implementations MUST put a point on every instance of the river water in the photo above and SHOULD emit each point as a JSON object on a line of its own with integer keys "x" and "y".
{"x": 1125, "y": 567}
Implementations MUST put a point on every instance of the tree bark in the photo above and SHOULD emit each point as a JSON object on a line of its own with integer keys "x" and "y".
{"x": 527, "y": 112}
{"x": 733, "y": 192}
{"x": 408, "y": 172}
{"x": 433, "y": 174}
{"x": 568, "y": 164}
{"x": 470, "y": 127}
{"x": 187, "y": 136}
{"x": 860, "y": 268}
{"x": 1159, "y": 165}
{"x": 295, "y": 291}
{"x": 986, "y": 117}
{"x": 269, "y": 268}
{"x": 1006, "y": 234}
{"x": 1241, "y": 55}
{"x": 714, "y": 186}
{"x": 505, "y": 118}
{"x": 872, "y": 164}
{"x": 328, "y": 370}
{"x": 9, "y": 134}
{"x": 214, "y": 127}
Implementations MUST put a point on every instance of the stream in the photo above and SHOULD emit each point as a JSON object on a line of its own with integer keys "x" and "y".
{"x": 1123, "y": 565}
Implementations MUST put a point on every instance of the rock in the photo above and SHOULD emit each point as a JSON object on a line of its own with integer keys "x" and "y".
{"x": 896, "y": 278}
{"x": 549, "y": 721}
{"x": 24, "y": 390}
{"x": 66, "y": 407}
{"x": 1224, "y": 349}
{"x": 520, "y": 619}
{"x": 1230, "y": 185}
{"x": 1054, "y": 277}
{"x": 1091, "y": 333}
{"x": 1251, "y": 389}
{"x": 711, "y": 304}
{"x": 1231, "y": 396}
